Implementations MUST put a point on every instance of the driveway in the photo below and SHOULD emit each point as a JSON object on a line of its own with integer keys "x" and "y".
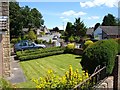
{"x": 17, "y": 74}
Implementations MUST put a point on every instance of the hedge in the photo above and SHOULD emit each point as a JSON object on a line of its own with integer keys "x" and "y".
{"x": 38, "y": 53}
{"x": 100, "y": 53}
{"x": 118, "y": 41}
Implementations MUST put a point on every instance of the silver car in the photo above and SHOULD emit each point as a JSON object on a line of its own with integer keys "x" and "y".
{"x": 26, "y": 44}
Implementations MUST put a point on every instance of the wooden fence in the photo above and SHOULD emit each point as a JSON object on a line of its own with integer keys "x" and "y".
{"x": 93, "y": 80}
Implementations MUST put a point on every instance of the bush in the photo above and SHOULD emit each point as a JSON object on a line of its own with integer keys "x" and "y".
{"x": 14, "y": 40}
{"x": 39, "y": 41}
{"x": 70, "y": 47}
{"x": 118, "y": 41}
{"x": 38, "y": 53}
{"x": 100, "y": 53}
{"x": 87, "y": 43}
{"x": 65, "y": 82}
{"x": 71, "y": 39}
{"x": 31, "y": 35}
{"x": 5, "y": 85}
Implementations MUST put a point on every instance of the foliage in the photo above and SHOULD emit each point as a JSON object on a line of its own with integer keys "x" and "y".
{"x": 19, "y": 39}
{"x": 56, "y": 29}
{"x": 65, "y": 82}
{"x": 71, "y": 46}
{"x": 37, "y": 41}
{"x": 31, "y": 35}
{"x": 96, "y": 26}
{"x": 71, "y": 39}
{"x": 87, "y": 43}
{"x": 80, "y": 28}
{"x": 118, "y": 41}
{"x": 14, "y": 40}
{"x": 23, "y": 17}
{"x": 100, "y": 53}
{"x": 50, "y": 41}
{"x": 33, "y": 54}
{"x": 109, "y": 20}
{"x": 77, "y": 39}
{"x": 5, "y": 85}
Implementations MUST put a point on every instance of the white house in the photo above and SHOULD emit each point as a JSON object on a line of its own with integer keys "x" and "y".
{"x": 104, "y": 32}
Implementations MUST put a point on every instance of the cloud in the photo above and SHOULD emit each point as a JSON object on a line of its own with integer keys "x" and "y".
{"x": 73, "y": 13}
{"x": 93, "y": 17}
{"x": 62, "y": 17}
{"x": 108, "y": 3}
{"x": 66, "y": 20}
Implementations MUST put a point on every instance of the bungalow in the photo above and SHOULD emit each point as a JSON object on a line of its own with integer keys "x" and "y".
{"x": 4, "y": 40}
{"x": 104, "y": 32}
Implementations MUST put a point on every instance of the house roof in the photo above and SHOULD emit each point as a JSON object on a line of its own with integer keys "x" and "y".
{"x": 110, "y": 30}
{"x": 90, "y": 31}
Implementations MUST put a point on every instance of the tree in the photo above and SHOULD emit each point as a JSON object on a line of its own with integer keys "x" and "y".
{"x": 80, "y": 28}
{"x": 96, "y": 26}
{"x": 69, "y": 30}
{"x": 109, "y": 20}
{"x": 23, "y": 17}
{"x": 15, "y": 21}
{"x": 56, "y": 29}
{"x": 31, "y": 35}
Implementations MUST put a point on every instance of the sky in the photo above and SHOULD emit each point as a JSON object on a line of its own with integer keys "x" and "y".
{"x": 57, "y": 14}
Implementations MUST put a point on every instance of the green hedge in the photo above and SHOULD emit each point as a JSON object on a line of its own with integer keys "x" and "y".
{"x": 38, "y": 53}
{"x": 118, "y": 41}
{"x": 100, "y": 53}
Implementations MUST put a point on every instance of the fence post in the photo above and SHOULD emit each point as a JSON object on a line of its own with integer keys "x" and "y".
{"x": 117, "y": 74}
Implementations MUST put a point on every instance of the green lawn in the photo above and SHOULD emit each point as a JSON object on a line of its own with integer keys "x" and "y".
{"x": 39, "y": 67}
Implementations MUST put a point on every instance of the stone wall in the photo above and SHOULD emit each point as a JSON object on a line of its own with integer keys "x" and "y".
{"x": 5, "y": 39}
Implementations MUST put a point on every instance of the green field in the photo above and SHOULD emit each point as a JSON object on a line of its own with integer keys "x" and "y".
{"x": 39, "y": 67}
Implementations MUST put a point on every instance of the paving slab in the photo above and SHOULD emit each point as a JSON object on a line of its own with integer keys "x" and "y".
{"x": 17, "y": 74}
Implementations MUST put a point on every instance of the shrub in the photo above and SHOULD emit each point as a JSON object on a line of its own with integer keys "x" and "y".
{"x": 31, "y": 35}
{"x": 5, "y": 85}
{"x": 19, "y": 39}
{"x": 70, "y": 47}
{"x": 39, "y": 53}
{"x": 100, "y": 53}
{"x": 39, "y": 41}
{"x": 87, "y": 43}
{"x": 71, "y": 39}
{"x": 77, "y": 39}
{"x": 14, "y": 40}
{"x": 118, "y": 41}
{"x": 65, "y": 82}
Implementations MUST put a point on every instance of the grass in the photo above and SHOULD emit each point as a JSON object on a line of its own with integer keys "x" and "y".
{"x": 39, "y": 67}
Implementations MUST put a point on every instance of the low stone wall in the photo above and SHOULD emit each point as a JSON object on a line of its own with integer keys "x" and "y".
{"x": 78, "y": 51}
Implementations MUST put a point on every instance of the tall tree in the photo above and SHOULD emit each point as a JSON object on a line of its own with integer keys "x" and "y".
{"x": 109, "y": 20}
{"x": 80, "y": 28}
{"x": 14, "y": 15}
{"x": 69, "y": 29}
{"x": 23, "y": 17}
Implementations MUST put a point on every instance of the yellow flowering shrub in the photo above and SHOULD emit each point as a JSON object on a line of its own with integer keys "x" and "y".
{"x": 67, "y": 81}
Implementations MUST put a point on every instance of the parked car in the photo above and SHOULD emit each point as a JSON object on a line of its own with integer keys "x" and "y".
{"x": 26, "y": 44}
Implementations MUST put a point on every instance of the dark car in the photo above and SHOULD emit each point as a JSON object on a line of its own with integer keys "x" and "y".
{"x": 26, "y": 44}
